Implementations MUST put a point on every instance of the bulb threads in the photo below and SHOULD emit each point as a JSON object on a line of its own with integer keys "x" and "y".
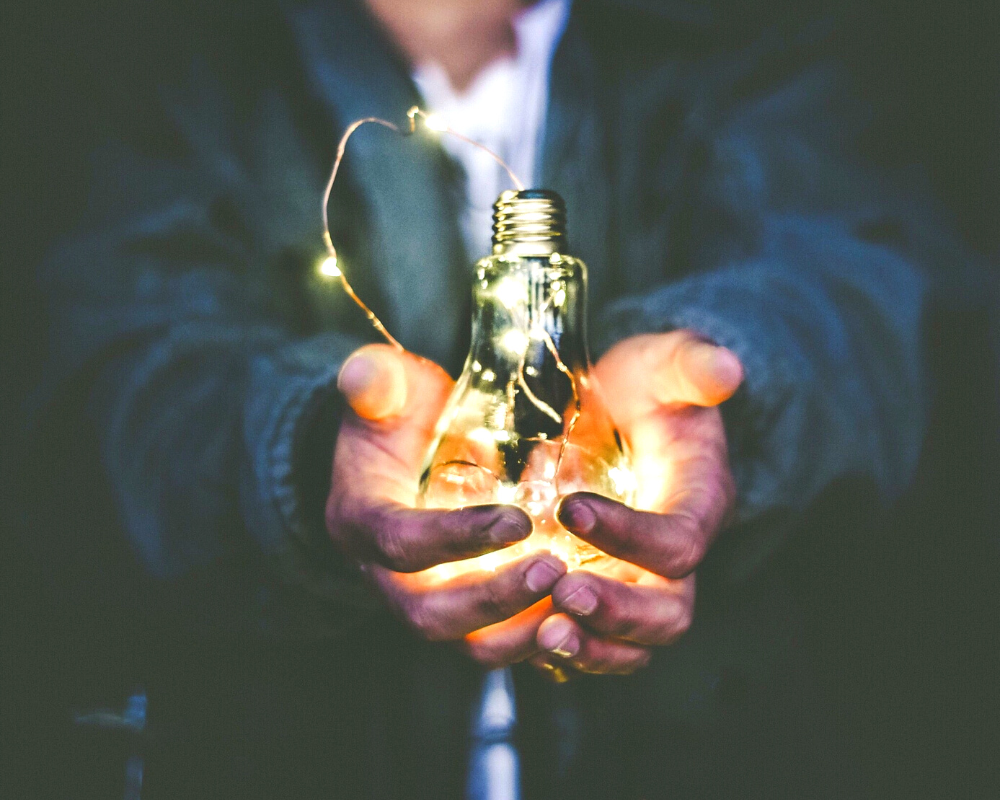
{"x": 529, "y": 222}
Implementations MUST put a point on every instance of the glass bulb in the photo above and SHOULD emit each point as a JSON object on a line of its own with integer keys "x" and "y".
{"x": 526, "y": 422}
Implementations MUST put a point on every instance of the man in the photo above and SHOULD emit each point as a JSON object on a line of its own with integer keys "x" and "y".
{"x": 734, "y": 239}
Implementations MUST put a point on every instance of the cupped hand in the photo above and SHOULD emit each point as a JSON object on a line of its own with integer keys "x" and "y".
{"x": 394, "y": 402}
{"x": 663, "y": 391}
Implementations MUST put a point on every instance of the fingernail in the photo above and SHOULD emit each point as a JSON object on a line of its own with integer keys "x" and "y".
{"x": 715, "y": 371}
{"x": 541, "y": 576}
{"x": 561, "y": 640}
{"x": 728, "y": 366}
{"x": 509, "y": 525}
{"x": 577, "y": 516}
{"x": 373, "y": 382}
{"x": 583, "y": 602}
{"x": 356, "y": 374}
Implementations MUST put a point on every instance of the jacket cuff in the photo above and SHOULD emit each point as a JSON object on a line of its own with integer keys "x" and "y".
{"x": 291, "y": 426}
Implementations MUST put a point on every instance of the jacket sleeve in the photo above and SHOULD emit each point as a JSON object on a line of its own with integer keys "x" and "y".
{"x": 813, "y": 271}
{"x": 180, "y": 310}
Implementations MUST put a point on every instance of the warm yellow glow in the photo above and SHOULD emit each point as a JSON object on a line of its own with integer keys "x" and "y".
{"x": 514, "y": 341}
{"x": 623, "y": 480}
{"x": 482, "y": 437}
{"x": 559, "y": 298}
{"x": 507, "y": 493}
{"x": 500, "y": 417}
{"x": 435, "y": 123}
{"x": 328, "y": 267}
{"x": 511, "y": 293}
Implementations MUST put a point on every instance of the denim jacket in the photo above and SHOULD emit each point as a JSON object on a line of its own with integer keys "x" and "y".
{"x": 714, "y": 181}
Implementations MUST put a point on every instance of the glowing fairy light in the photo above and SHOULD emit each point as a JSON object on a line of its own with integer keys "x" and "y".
{"x": 435, "y": 123}
{"x": 514, "y": 341}
{"x": 623, "y": 480}
{"x": 511, "y": 293}
{"x": 328, "y": 267}
{"x": 507, "y": 493}
{"x": 481, "y": 436}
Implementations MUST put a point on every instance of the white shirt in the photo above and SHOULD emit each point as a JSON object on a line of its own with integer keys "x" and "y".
{"x": 503, "y": 108}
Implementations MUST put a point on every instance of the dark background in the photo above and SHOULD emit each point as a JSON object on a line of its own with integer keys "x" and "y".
{"x": 904, "y": 610}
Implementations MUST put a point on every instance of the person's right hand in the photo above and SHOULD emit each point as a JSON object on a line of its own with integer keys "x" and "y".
{"x": 394, "y": 401}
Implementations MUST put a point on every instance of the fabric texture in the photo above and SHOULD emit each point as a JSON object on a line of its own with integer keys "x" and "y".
{"x": 727, "y": 200}
{"x": 714, "y": 179}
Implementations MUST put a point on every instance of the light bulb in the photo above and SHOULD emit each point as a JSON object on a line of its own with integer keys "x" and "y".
{"x": 526, "y": 424}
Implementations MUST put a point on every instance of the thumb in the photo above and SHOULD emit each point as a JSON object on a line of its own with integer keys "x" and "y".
{"x": 698, "y": 372}
{"x": 373, "y": 381}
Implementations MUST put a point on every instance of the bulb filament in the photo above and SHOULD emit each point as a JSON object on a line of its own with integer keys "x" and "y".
{"x": 542, "y": 405}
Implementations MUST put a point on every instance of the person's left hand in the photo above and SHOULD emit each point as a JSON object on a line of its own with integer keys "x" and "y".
{"x": 662, "y": 390}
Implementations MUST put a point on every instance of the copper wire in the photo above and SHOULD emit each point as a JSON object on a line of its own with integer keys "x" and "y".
{"x": 416, "y": 111}
{"x": 328, "y": 241}
{"x": 411, "y": 114}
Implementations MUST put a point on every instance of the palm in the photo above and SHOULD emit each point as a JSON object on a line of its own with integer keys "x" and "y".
{"x": 662, "y": 391}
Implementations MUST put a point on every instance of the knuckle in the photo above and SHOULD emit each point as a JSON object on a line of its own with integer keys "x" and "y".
{"x": 595, "y": 663}
{"x": 684, "y": 619}
{"x": 452, "y": 532}
{"x": 689, "y": 551}
{"x": 494, "y": 603}
{"x": 639, "y": 661}
{"x": 633, "y": 543}
{"x": 423, "y": 618}
{"x": 615, "y": 619}
{"x": 485, "y": 654}
{"x": 392, "y": 547}
{"x": 678, "y": 622}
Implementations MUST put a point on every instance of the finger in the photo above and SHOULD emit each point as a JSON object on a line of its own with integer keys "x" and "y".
{"x": 671, "y": 545}
{"x": 643, "y": 373}
{"x": 408, "y": 539}
{"x": 509, "y": 641}
{"x": 563, "y": 637}
{"x": 655, "y": 612}
{"x": 396, "y": 399}
{"x": 699, "y": 373}
{"x": 373, "y": 381}
{"x": 448, "y": 610}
